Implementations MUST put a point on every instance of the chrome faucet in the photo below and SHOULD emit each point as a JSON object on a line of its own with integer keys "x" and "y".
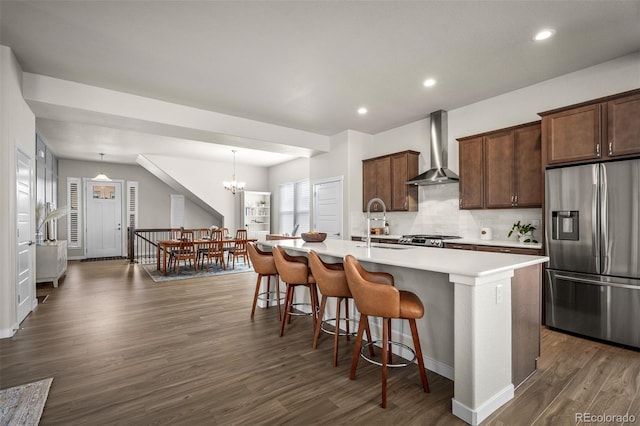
{"x": 384, "y": 217}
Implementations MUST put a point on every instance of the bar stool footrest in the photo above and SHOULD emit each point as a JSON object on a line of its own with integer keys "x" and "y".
{"x": 332, "y": 332}
{"x": 272, "y": 297}
{"x": 300, "y": 313}
{"x": 392, "y": 343}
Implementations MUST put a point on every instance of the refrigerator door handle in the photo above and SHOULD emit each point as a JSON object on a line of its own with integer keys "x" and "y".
{"x": 595, "y": 282}
{"x": 595, "y": 246}
{"x": 604, "y": 225}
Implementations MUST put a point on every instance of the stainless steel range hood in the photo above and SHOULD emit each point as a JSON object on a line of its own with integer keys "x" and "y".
{"x": 438, "y": 173}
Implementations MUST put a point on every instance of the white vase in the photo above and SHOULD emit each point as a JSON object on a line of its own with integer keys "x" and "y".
{"x": 523, "y": 237}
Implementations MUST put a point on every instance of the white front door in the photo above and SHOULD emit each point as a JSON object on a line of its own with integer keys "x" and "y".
{"x": 104, "y": 218}
{"x": 327, "y": 207}
{"x": 25, "y": 288}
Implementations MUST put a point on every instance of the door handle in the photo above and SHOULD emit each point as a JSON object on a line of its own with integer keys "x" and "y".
{"x": 30, "y": 243}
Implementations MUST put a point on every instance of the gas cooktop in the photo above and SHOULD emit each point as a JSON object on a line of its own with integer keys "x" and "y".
{"x": 426, "y": 240}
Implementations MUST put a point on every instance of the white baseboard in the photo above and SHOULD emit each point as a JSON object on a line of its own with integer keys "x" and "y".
{"x": 8, "y": 332}
{"x": 474, "y": 417}
{"x": 76, "y": 257}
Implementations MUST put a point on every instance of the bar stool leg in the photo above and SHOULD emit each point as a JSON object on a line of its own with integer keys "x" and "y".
{"x": 385, "y": 351}
{"x": 316, "y": 334}
{"x": 313, "y": 290}
{"x": 268, "y": 290}
{"x": 255, "y": 296}
{"x": 278, "y": 295}
{"x": 418, "y": 349}
{"x": 287, "y": 307}
{"x": 364, "y": 320}
{"x": 346, "y": 315}
{"x": 337, "y": 333}
{"x": 389, "y": 339}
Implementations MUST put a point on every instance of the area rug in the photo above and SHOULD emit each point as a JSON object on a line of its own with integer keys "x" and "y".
{"x": 186, "y": 273}
{"x": 98, "y": 259}
{"x": 23, "y": 405}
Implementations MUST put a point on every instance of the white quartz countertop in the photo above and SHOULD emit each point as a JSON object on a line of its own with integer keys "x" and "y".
{"x": 496, "y": 243}
{"x": 448, "y": 261}
{"x": 475, "y": 241}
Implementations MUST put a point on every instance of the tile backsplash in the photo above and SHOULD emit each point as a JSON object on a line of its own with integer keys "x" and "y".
{"x": 439, "y": 214}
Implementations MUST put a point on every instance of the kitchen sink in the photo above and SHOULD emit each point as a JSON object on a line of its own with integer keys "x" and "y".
{"x": 384, "y": 247}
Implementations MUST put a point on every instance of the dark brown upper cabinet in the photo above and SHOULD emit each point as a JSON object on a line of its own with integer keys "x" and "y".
{"x": 385, "y": 178}
{"x": 598, "y": 130}
{"x": 501, "y": 169}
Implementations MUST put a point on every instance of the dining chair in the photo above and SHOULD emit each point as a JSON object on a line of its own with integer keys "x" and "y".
{"x": 213, "y": 250}
{"x": 186, "y": 251}
{"x": 239, "y": 248}
{"x": 203, "y": 233}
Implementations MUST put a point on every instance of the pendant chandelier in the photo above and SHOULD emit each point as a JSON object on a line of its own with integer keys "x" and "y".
{"x": 234, "y": 186}
{"x": 101, "y": 176}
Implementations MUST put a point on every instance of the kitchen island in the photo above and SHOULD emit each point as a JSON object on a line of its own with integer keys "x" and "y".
{"x": 466, "y": 332}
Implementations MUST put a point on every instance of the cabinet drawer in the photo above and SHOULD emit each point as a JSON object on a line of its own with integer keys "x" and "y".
{"x": 511, "y": 250}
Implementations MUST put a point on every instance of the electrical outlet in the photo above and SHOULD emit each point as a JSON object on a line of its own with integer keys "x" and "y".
{"x": 498, "y": 294}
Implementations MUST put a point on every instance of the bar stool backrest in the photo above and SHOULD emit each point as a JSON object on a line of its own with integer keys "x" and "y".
{"x": 330, "y": 282}
{"x": 262, "y": 261}
{"x": 372, "y": 298}
{"x": 289, "y": 268}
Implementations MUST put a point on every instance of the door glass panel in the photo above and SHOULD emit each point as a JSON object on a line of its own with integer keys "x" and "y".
{"x": 107, "y": 192}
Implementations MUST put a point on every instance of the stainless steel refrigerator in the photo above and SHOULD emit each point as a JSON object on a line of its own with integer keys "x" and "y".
{"x": 593, "y": 242}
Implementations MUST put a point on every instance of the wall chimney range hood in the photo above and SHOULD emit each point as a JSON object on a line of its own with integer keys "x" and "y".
{"x": 438, "y": 173}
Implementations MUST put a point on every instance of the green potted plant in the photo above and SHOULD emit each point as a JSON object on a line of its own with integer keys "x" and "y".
{"x": 524, "y": 232}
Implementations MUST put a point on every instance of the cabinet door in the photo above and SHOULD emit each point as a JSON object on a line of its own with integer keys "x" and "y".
{"x": 498, "y": 170}
{"x": 528, "y": 166}
{"x": 404, "y": 197}
{"x": 368, "y": 182}
{"x": 623, "y": 121}
{"x": 376, "y": 183}
{"x": 383, "y": 183}
{"x": 457, "y": 246}
{"x": 471, "y": 173}
{"x": 573, "y": 135}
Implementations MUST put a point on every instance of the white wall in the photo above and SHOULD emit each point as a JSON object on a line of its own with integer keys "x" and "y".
{"x": 204, "y": 179}
{"x": 291, "y": 171}
{"x": 154, "y": 204}
{"x": 17, "y": 131}
{"x": 438, "y": 207}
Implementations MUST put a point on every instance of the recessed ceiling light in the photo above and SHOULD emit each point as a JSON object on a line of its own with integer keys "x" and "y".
{"x": 544, "y": 34}
{"x": 429, "y": 82}
{"x": 362, "y": 111}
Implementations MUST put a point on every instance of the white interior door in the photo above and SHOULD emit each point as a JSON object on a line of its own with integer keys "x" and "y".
{"x": 25, "y": 250}
{"x": 327, "y": 207}
{"x": 103, "y": 236}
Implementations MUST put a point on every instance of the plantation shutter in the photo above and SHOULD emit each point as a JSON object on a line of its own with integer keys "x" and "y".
{"x": 73, "y": 217}
{"x": 302, "y": 214}
{"x": 286, "y": 208}
{"x": 132, "y": 204}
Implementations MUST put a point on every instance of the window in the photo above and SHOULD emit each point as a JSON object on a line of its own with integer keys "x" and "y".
{"x": 73, "y": 216}
{"x": 132, "y": 204}
{"x": 294, "y": 207}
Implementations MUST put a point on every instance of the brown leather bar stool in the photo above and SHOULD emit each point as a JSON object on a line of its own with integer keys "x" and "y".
{"x": 294, "y": 272}
{"x": 386, "y": 301}
{"x": 265, "y": 266}
{"x": 332, "y": 282}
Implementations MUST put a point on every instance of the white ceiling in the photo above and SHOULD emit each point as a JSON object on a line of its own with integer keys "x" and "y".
{"x": 307, "y": 65}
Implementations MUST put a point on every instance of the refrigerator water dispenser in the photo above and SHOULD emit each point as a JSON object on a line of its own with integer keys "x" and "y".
{"x": 565, "y": 225}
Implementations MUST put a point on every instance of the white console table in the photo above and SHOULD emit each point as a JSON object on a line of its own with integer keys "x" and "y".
{"x": 51, "y": 261}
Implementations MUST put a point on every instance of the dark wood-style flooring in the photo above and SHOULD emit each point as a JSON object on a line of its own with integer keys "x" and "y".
{"x": 125, "y": 350}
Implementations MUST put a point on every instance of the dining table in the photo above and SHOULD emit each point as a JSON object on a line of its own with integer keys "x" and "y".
{"x": 163, "y": 247}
